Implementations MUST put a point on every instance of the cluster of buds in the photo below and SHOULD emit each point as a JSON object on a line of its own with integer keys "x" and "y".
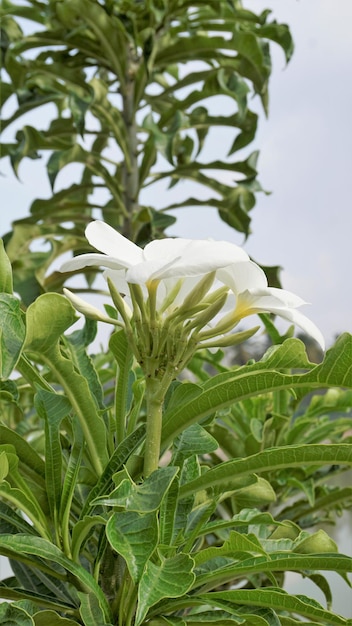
{"x": 176, "y": 296}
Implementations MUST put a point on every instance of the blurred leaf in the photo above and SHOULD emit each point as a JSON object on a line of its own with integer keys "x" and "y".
{"x": 12, "y": 615}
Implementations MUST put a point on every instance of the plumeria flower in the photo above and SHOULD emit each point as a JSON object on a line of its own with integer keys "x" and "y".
{"x": 169, "y": 293}
{"x": 159, "y": 260}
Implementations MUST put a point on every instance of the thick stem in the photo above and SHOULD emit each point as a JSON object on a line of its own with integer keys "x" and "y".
{"x": 155, "y": 401}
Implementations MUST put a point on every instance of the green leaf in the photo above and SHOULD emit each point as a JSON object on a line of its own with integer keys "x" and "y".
{"x": 12, "y": 333}
{"x": 275, "y": 562}
{"x": 90, "y": 610}
{"x": 5, "y": 271}
{"x": 142, "y": 498}
{"x": 172, "y": 578}
{"x": 278, "y": 600}
{"x": 225, "y": 389}
{"x": 47, "y": 319}
{"x": 52, "y": 408}
{"x": 221, "y": 478}
{"x": 46, "y": 618}
{"x": 77, "y": 342}
{"x": 120, "y": 456}
{"x": 46, "y": 551}
{"x": 11, "y": 615}
{"x": 135, "y": 537}
{"x": 120, "y": 348}
{"x": 193, "y": 440}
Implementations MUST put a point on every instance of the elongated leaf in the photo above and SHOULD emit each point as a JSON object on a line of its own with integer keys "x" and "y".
{"x": 118, "y": 459}
{"x": 135, "y": 537}
{"x": 278, "y": 600}
{"x": 224, "y": 390}
{"x": 52, "y": 408}
{"x": 45, "y": 550}
{"x": 91, "y": 611}
{"x": 120, "y": 348}
{"x": 222, "y": 477}
{"x": 171, "y": 579}
{"x": 277, "y": 562}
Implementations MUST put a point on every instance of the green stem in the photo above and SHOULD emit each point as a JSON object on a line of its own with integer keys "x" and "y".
{"x": 154, "y": 422}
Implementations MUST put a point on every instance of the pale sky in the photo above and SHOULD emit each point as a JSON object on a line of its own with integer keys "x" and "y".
{"x": 305, "y": 161}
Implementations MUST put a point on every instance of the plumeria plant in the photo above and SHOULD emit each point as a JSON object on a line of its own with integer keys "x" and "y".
{"x": 150, "y": 481}
{"x": 134, "y": 494}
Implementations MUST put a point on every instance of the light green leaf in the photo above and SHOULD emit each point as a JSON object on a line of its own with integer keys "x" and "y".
{"x": 135, "y": 537}
{"x": 237, "y": 542}
{"x": 5, "y": 271}
{"x": 12, "y": 332}
{"x": 172, "y": 578}
{"x": 48, "y": 318}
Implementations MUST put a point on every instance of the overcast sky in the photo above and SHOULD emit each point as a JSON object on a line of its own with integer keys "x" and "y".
{"x": 305, "y": 145}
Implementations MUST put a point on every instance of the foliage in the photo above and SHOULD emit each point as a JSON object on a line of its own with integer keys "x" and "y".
{"x": 244, "y": 478}
{"x": 133, "y": 85}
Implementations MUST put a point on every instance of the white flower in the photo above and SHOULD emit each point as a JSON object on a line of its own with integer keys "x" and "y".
{"x": 249, "y": 284}
{"x": 178, "y": 280}
{"x": 160, "y": 259}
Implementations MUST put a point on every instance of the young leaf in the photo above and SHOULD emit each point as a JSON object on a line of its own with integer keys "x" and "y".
{"x": 135, "y": 537}
{"x": 171, "y": 579}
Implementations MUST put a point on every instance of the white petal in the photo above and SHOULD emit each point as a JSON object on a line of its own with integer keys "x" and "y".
{"x": 287, "y": 297}
{"x": 297, "y": 318}
{"x": 185, "y": 257}
{"x": 88, "y": 260}
{"x": 106, "y": 239}
{"x": 241, "y": 277}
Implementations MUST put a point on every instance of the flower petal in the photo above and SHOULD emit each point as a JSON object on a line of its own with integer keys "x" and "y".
{"x": 297, "y": 318}
{"x": 187, "y": 257}
{"x": 90, "y": 260}
{"x": 106, "y": 239}
{"x": 240, "y": 277}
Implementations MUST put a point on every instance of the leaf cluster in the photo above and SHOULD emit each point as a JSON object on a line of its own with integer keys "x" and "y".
{"x": 245, "y": 476}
